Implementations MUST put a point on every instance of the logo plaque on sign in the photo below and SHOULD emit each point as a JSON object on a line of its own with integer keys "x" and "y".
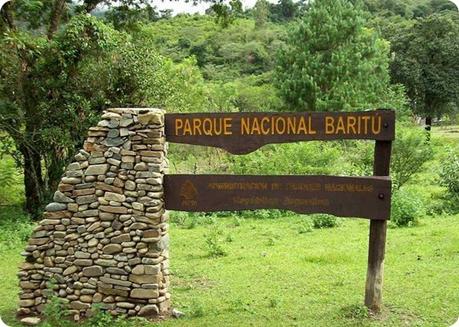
{"x": 188, "y": 194}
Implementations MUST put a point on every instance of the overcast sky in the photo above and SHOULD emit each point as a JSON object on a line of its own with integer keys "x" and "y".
{"x": 181, "y": 7}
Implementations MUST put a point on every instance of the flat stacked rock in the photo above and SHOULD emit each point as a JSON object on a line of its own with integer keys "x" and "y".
{"x": 105, "y": 239}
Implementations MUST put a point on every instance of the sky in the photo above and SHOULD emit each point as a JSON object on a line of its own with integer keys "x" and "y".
{"x": 179, "y": 7}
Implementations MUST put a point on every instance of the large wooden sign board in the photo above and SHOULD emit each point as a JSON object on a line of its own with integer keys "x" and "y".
{"x": 240, "y": 133}
{"x": 342, "y": 196}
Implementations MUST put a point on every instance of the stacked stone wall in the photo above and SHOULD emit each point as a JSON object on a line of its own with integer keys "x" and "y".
{"x": 104, "y": 239}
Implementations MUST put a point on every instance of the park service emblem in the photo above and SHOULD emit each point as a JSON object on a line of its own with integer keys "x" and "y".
{"x": 188, "y": 194}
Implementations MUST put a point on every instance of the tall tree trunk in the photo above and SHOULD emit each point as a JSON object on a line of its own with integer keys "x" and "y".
{"x": 54, "y": 173}
{"x": 33, "y": 181}
{"x": 428, "y": 127}
{"x": 56, "y": 16}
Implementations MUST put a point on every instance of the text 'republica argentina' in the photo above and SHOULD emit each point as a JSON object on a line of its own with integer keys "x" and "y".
{"x": 278, "y": 125}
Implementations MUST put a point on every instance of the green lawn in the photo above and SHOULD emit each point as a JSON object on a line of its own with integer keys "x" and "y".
{"x": 272, "y": 275}
{"x": 449, "y": 132}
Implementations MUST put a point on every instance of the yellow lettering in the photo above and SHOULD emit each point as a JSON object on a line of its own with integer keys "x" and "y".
{"x": 197, "y": 126}
{"x": 187, "y": 128}
{"x": 291, "y": 125}
{"x": 376, "y": 129}
{"x": 340, "y": 126}
{"x": 178, "y": 126}
{"x": 351, "y": 121}
{"x": 329, "y": 128}
{"x": 255, "y": 126}
{"x": 302, "y": 126}
{"x": 227, "y": 122}
{"x": 207, "y": 126}
{"x": 265, "y": 120}
{"x": 311, "y": 130}
{"x": 365, "y": 120}
{"x": 278, "y": 130}
{"x": 245, "y": 123}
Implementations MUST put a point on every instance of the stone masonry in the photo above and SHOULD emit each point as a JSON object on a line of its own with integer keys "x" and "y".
{"x": 105, "y": 239}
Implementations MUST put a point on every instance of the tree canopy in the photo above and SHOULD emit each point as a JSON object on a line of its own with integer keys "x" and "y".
{"x": 332, "y": 61}
{"x": 426, "y": 61}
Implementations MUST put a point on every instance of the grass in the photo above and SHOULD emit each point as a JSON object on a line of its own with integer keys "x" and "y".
{"x": 448, "y": 132}
{"x": 302, "y": 279}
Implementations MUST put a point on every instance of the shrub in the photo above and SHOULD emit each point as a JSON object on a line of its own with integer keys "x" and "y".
{"x": 406, "y": 208}
{"x": 449, "y": 173}
{"x": 213, "y": 244}
{"x": 299, "y": 158}
{"x": 306, "y": 226}
{"x": 54, "y": 312}
{"x": 100, "y": 318}
{"x": 410, "y": 151}
{"x": 15, "y": 227}
{"x": 323, "y": 220}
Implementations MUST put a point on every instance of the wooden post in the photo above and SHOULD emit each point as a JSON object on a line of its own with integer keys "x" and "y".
{"x": 377, "y": 238}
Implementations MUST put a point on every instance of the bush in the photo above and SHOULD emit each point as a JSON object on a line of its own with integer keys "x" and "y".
{"x": 55, "y": 313}
{"x": 406, "y": 208}
{"x": 449, "y": 173}
{"x": 213, "y": 244}
{"x": 297, "y": 158}
{"x": 323, "y": 220}
{"x": 410, "y": 151}
{"x": 15, "y": 228}
{"x": 306, "y": 226}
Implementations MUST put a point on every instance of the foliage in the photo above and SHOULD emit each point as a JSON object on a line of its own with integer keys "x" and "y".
{"x": 449, "y": 173}
{"x": 261, "y": 12}
{"x": 324, "y": 221}
{"x": 333, "y": 62}
{"x": 213, "y": 243}
{"x": 406, "y": 208}
{"x": 298, "y": 158}
{"x": 223, "y": 54}
{"x": 11, "y": 191}
{"x": 129, "y": 16}
{"x": 305, "y": 227}
{"x": 65, "y": 84}
{"x": 407, "y": 8}
{"x": 15, "y": 228}
{"x": 426, "y": 61}
{"x": 410, "y": 151}
{"x": 55, "y": 313}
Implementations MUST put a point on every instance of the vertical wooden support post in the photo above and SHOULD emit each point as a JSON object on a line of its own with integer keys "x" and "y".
{"x": 377, "y": 238}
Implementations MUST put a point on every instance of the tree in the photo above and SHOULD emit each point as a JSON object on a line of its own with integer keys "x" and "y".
{"x": 261, "y": 12}
{"x": 126, "y": 17}
{"x": 285, "y": 10}
{"x": 426, "y": 61}
{"x": 58, "y": 70}
{"x": 332, "y": 62}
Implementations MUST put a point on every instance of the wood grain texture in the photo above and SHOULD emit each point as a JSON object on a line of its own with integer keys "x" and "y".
{"x": 365, "y": 197}
{"x": 241, "y": 133}
{"x": 377, "y": 236}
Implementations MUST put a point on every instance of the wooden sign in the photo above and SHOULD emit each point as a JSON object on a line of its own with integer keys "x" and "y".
{"x": 241, "y": 133}
{"x": 366, "y": 197}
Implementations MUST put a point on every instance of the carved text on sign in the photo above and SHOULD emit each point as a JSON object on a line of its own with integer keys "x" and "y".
{"x": 366, "y": 197}
{"x": 241, "y": 133}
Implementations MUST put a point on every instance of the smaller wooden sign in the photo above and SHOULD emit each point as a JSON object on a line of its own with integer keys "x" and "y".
{"x": 365, "y": 197}
{"x": 241, "y": 133}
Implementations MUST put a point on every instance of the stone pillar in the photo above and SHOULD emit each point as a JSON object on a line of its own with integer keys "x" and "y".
{"x": 105, "y": 239}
